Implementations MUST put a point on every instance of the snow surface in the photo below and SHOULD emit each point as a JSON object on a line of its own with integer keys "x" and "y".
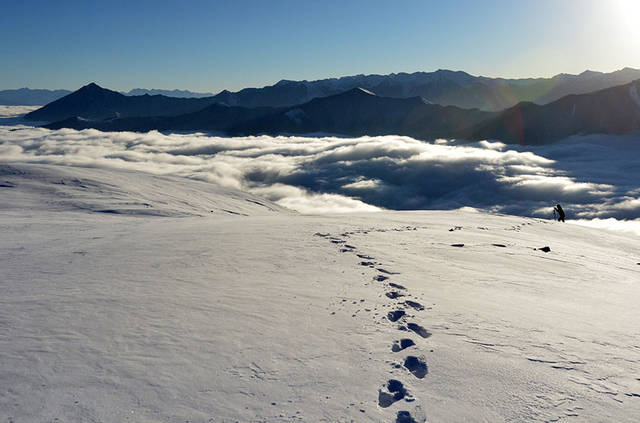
{"x": 274, "y": 316}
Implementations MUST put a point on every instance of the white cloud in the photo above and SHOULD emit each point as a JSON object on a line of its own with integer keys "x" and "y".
{"x": 15, "y": 111}
{"x": 592, "y": 176}
{"x": 630, "y": 226}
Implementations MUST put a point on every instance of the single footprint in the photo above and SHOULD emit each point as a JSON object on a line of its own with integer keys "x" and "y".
{"x": 414, "y": 304}
{"x": 419, "y": 330}
{"x": 404, "y": 343}
{"x": 404, "y": 417}
{"x": 457, "y": 245}
{"x": 367, "y": 263}
{"x": 388, "y": 272}
{"x": 417, "y": 366}
{"x": 380, "y": 278}
{"x": 396, "y": 391}
{"x": 395, "y": 285}
{"x": 394, "y": 294}
{"x": 395, "y": 315}
{"x": 499, "y": 245}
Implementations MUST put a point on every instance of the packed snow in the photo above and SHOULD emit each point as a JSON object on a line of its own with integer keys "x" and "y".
{"x": 143, "y": 285}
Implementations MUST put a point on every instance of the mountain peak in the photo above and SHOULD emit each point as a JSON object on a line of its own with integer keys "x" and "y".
{"x": 285, "y": 82}
{"x": 91, "y": 87}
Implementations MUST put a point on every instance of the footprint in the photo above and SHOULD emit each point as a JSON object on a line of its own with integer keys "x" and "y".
{"x": 419, "y": 330}
{"x": 394, "y": 294}
{"x": 395, "y": 285}
{"x": 404, "y": 417}
{"x": 395, "y": 315}
{"x": 388, "y": 272}
{"x": 404, "y": 343}
{"x": 415, "y": 305}
{"x": 417, "y": 366}
{"x": 364, "y": 257}
{"x": 367, "y": 263}
{"x": 457, "y": 245}
{"x": 499, "y": 245}
{"x": 396, "y": 392}
{"x": 380, "y": 278}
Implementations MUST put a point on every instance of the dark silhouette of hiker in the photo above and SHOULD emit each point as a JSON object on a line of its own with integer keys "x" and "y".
{"x": 558, "y": 208}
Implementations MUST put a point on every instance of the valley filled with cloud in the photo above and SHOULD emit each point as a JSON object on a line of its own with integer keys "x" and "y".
{"x": 332, "y": 174}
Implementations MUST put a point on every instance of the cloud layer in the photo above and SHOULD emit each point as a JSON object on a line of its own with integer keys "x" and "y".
{"x": 593, "y": 176}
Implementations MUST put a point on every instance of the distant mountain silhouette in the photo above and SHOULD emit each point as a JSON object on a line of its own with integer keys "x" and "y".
{"x": 354, "y": 112}
{"x": 359, "y": 112}
{"x": 95, "y": 102}
{"x": 610, "y": 111}
{"x": 29, "y": 97}
{"x": 443, "y": 87}
{"x": 168, "y": 93}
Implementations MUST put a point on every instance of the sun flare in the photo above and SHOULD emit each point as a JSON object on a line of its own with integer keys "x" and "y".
{"x": 626, "y": 14}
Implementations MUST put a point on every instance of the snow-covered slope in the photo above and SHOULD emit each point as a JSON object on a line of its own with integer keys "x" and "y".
{"x": 59, "y": 188}
{"x": 280, "y": 317}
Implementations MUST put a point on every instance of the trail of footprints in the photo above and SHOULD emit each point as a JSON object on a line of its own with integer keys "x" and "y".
{"x": 393, "y": 390}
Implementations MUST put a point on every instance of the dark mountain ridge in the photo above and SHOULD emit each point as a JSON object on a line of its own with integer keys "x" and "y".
{"x": 168, "y": 93}
{"x": 358, "y": 112}
{"x": 443, "y": 87}
{"x": 613, "y": 110}
{"x": 95, "y": 102}
{"x": 354, "y": 112}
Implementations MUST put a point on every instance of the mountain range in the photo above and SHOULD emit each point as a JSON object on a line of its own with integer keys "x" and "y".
{"x": 445, "y": 87}
{"x": 94, "y": 102}
{"x": 613, "y": 110}
{"x": 354, "y": 112}
{"x": 168, "y": 93}
{"x": 29, "y": 97}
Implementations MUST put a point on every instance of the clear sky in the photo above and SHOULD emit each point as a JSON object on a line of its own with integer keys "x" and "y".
{"x": 210, "y": 45}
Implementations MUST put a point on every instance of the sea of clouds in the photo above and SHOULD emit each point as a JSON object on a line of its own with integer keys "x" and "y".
{"x": 593, "y": 177}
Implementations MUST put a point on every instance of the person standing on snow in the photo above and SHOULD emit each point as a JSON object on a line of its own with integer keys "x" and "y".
{"x": 558, "y": 208}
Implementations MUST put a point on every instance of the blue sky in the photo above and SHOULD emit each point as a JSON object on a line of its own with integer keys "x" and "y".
{"x": 213, "y": 45}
